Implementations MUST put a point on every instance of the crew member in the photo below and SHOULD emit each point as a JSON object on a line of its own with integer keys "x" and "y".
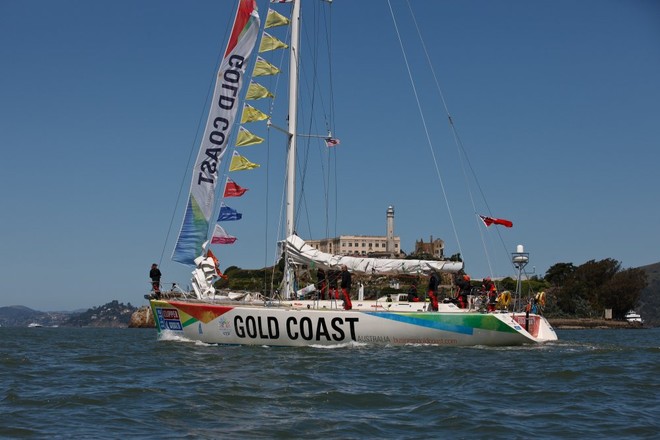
{"x": 321, "y": 283}
{"x": 464, "y": 288}
{"x": 412, "y": 293}
{"x": 491, "y": 291}
{"x": 155, "y": 275}
{"x": 333, "y": 275}
{"x": 434, "y": 281}
{"x": 346, "y": 287}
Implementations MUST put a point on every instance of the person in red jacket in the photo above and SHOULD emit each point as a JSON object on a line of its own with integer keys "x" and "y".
{"x": 490, "y": 290}
{"x": 434, "y": 281}
{"x": 345, "y": 286}
{"x": 464, "y": 288}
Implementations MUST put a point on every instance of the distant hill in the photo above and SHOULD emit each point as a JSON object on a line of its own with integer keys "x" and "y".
{"x": 649, "y": 302}
{"x": 21, "y": 316}
{"x": 112, "y": 314}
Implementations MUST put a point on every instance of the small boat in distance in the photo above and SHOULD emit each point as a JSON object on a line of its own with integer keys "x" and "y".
{"x": 633, "y": 317}
{"x": 34, "y": 325}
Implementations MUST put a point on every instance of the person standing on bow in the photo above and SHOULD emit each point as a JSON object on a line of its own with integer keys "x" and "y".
{"x": 346, "y": 287}
{"x": 155, "y": 275}
{"x": 434, "y": 281}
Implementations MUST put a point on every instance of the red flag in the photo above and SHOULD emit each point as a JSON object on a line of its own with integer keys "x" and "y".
{"x": 221, "y": 237}
{"x": 331, "y": 142}
{"x": 496, "y": 221}
{"x": 233, "y": 190}
{"x": 217, "y": 264}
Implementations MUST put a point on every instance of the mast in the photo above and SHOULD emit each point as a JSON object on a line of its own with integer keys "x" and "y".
{"x": 293, "y": 125}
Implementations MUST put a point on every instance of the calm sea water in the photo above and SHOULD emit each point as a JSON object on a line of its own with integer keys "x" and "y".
{"x": 113, "y": 383}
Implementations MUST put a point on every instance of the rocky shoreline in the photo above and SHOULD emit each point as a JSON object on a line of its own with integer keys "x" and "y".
{"x": 588, "y": 323}
{"x": 142, "y": 318}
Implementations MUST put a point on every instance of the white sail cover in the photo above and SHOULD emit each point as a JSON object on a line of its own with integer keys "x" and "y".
{"x": 301, "y": 253}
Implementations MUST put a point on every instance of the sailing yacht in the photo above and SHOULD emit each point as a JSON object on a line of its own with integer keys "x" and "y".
{"x": 286, "y": 317}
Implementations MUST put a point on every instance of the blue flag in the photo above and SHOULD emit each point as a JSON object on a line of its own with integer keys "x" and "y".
{"x": 226, "y": 213}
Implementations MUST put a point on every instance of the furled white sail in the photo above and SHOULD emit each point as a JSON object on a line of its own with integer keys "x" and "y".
{"x": 302, "y": 253}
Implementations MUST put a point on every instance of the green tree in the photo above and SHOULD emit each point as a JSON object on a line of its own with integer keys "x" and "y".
{"x": 558, "y": 273}
{"x": 507, "y": 283}
{"x": 586, "y": 290}
{"x": 622, "y": 292}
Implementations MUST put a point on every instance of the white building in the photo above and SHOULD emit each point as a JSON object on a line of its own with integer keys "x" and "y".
{"x": 363, "y": 245}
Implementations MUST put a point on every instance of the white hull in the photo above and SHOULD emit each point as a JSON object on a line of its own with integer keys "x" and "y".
{"x": 246, "y": 324}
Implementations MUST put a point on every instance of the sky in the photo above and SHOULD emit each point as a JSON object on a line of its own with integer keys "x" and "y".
{"x": 556, "y": 104}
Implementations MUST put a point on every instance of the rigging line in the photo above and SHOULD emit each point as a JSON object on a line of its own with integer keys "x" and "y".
{"x": 311, "y": 90}
{"x": 429, "y": 142}
{"x": 336, "y": 178}
{"x": 462, "y": 152}
{"x": 329, "y": 41}
{"x": 274, "y": 83}
{"x": 322, "y": 19}
{"x": 329, "y": 121}
{"x": 271, "y": 287}
{"x": 280, "y": 228}
{"x": 195, "y": 142}
{"x": 304, "y": 172}
{"x": 315, "y": 92}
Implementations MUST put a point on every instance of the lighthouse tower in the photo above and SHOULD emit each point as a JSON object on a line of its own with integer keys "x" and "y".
{"x": 390, "y": 230}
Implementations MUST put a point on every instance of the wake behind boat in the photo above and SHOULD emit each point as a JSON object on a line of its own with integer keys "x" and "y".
{"x": 281, "y": 318}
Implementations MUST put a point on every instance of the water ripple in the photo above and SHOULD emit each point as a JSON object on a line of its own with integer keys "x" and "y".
{"x": 111, "y": 383}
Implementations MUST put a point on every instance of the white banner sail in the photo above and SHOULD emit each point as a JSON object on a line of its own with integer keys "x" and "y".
{"x": 225, "y": 104}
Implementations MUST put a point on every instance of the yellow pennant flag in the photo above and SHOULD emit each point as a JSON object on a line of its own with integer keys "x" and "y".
{"x": 276, "y": 19}
{"x": 268, "y": 42}
{"x": 251, "y": 114}
{"x": 239, "y": 163}
{"x": 257, "y": 91}
{"x": 263, "y": 68}
{"x": 246, "y": 138}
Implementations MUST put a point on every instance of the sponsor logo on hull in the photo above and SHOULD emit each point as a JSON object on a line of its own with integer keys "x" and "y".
{"x": 168, "y": 319}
